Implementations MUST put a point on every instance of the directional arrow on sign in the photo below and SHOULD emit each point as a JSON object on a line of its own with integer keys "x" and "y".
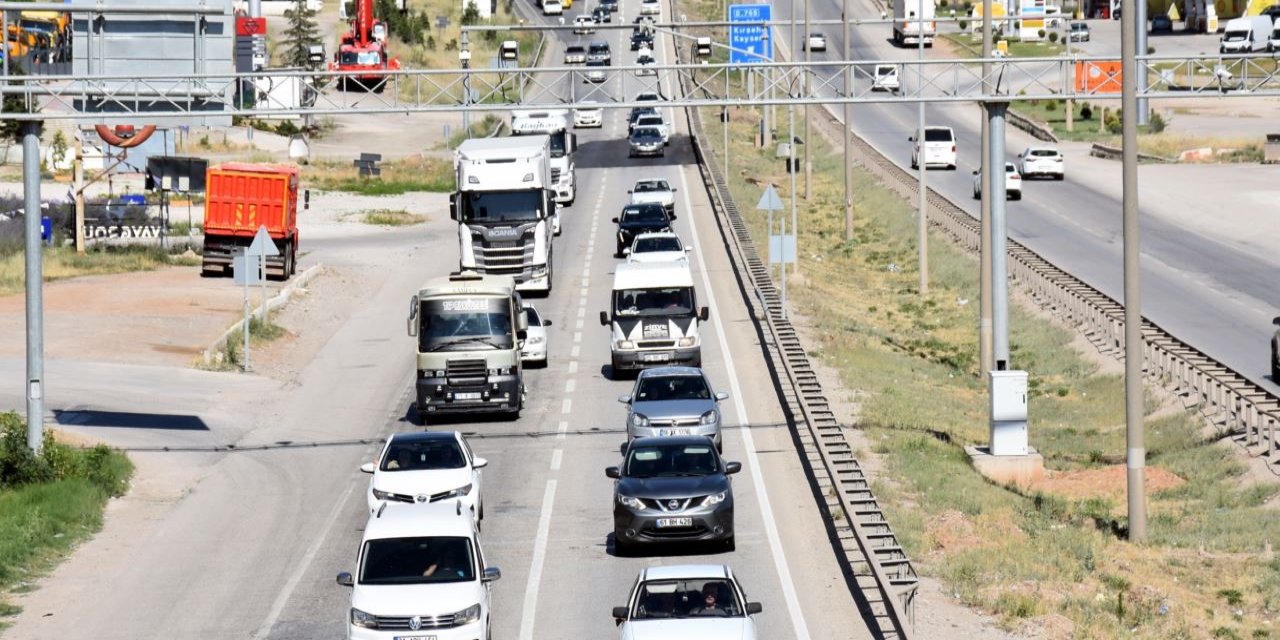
{"x": 263, "y": 245}
{"x": 769, "y": 200}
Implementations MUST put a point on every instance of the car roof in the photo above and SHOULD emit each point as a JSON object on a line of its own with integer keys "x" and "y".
{"x": 650, "y": 275}
{"x": 656, "y": 372}
{"x": 423, "y": 436}
{"x": 657, "y": 234}
{"x": 681, "y": 571}
{"x": 398, "y": 520}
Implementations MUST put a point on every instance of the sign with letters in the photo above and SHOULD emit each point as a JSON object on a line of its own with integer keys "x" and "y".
{"x": 750, "y": 43}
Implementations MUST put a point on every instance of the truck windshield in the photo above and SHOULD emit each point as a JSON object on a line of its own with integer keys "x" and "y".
{"x": 557, "y": 144}
{"x": 670, "y": 301}
{"x": 465, "y": 324}
{"x": 1232, "y": 36}
{"x": 495, "y": 207}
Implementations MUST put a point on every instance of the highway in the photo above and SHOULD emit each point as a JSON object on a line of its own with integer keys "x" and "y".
{"x": 250, "y": 549}
{"x": 1215, "y": 295}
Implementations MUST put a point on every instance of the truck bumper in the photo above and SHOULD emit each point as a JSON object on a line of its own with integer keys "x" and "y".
{"x": 634, "y": 360}
{"x": 534, "y": 284}
{"x": 498, "y": 394}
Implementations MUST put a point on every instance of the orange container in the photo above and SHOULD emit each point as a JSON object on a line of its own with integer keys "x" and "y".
{"x": 1098, "y": 76}
{"x": 239, "y": 198}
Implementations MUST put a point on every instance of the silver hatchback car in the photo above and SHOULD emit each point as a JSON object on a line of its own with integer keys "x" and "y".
{"x": 673, "y": 401}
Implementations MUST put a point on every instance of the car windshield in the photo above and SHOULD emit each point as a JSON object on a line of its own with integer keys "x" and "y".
{"x": 937, "y": 135}
{"x": 417, "y": 561}
{"x": 691, "y": 598}
{"x": 643, "y": 214}
{"x": 660, "y": 243}
{"x": 646, "y": 134}
{"x": 1009, "y": 168}
{"x": 662, "y": 388}
{"x": 464, "y": 324}
{"x": 671, "y": 460}
{"x": 423, "y": 455}
{"x": 574, "y": 50}
{"x": 645, "y": 186}
{"x": 1232, "y": 36}
{"x": 669, "y": 301}
{"x": 501, "y": 206}
{"x": 647, "y": 97}
{"x": 886, "y": 71}
{"x": 599, "y": 47}
{"x": 1042, "y": 153}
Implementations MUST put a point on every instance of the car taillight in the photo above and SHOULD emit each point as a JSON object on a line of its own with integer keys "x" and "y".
{"x": 953, "y": 148}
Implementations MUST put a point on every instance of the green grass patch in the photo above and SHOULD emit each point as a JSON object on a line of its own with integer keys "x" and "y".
{"x": 49, "y": 503}
{"x": 60, "y": 263}
{"x": 398, "y": 177}
{"x": 969, "y": 45}
{"x": 260, "y": 334}
{"x": 1019, "y": 553}
{"x": 390, "y": 218}
{"x": 479, "y": 129}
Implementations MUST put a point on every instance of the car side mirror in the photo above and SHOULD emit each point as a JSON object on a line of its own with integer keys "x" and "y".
{"x": 731, "y": 468}
{"x": 604, "y": 318}
{"x": 345, "y": 580}
{"x": 522, "y": 334}
{"x": 410, "y": 325}
{"x": 624, "y": 399}
{"x": 614, "y": 220}
{"x": 754, "y": 608}
{"x": 977, "y": 171}
{"x": 911, "y": 139}
{"x": 546, "y": 323}
{"x": 1276, "y": 321}
{"x": 628, "y": 191}
{"x": 620, "y": 613}
{"x": 366, "y": 467}
{"x": 612, "y": 472}
{"x": 479, "y": 463}
{"x": 721, "y": 395}
{"x": 688, "y": 249}
{"x": 704, "y": 313}
{"x": 673, "y": 190}
{"x": 491, "y": 574}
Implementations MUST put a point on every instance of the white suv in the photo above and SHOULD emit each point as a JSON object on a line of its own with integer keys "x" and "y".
{"x": 939, "y": 148}
{"x": 687, "y": 601}
{"x": 424, "y": 467}
{"x": 420, "y": 576}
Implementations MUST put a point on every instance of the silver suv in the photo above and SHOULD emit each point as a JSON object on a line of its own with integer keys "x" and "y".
{"x": 673, "y": 401}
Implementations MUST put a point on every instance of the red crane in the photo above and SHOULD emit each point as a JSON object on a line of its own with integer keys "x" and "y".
{"x": 363, "y": 49}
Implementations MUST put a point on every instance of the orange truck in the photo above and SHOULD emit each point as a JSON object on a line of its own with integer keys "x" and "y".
{"x": 241, "y": 198}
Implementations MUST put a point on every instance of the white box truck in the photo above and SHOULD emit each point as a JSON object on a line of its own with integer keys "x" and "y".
{"x": 912, "y": 20}
{"x": 505, "y": 208}
{"x": 554, "y": 123}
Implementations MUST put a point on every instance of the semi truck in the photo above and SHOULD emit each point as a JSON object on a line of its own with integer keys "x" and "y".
{"x": 553, "y": 123}
{"x": 505, "y": 208}
{"x": 469, "y": 329}
{"x": 241, "y": 198}
{"x": 913, "y": 20}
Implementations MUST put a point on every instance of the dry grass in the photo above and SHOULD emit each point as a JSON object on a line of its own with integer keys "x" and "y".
{"x": 405, "y": 175}
{"x": 61, "y": 263}
{"x": 390, "y": 218}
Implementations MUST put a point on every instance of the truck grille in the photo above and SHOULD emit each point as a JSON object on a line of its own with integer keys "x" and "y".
{"x": 555, "y": 175}
{"x": 465, "y": 372}
{"x": 504, "y": 257}
{"x": 656, "y": 344}
{"x": 401, "y": 623}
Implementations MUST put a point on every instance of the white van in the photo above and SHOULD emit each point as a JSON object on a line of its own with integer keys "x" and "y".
{"x": 552, "y": 8}
{"x": 939, "y": 148}
{"x": 1246, "y": 35}
{"x": 654, "y": 316}
{"x": 1273, "y": 44}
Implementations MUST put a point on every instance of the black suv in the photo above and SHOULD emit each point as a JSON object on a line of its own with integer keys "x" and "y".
{"x": 640, "y": 218}
{"x": 611, "y": 5}
{"x": 600, "y": 14}
{"x": 599, "y": 50}
{"x": 672, "y": 488}
{"x": 641, "y": 38}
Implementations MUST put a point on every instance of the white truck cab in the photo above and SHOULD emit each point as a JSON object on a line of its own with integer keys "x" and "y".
{"x": 420, "y": 573}
{"x": 554, "y": 123}
{"x": 654, "y": 316}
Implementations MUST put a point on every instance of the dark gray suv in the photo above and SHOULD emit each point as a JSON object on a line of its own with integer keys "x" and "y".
{"x": 672, "y": 489}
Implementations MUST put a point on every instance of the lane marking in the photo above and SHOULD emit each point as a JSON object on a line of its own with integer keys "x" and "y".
{"x": 555, "y": 459}
{"x": 561, "y": 430}
{"x": 566, "y": 407}
{"x": 577, "y": 339}
{"x": 757, "y": 476}
{"x": 574, "y": 352}
{"x": 569, "y": 385}
{"x": 582, "y": 309}
{"x": 529, "y": 612}
{"x": 578, "y": 325}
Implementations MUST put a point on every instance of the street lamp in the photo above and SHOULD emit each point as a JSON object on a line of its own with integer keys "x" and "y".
{"x": 464, "y": 57}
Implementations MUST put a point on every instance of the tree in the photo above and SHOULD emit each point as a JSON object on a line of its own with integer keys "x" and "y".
{"x": 301, "y": 33}
{"x": 11, "y": 130}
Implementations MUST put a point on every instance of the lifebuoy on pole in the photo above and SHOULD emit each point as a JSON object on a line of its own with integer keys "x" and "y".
{"x": 124, "y": 135}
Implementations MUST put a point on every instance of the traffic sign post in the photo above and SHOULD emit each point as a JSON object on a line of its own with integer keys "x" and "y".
{"x": 262, "y": 247}
{"x": 782, "y": 248}
{"x": 245, "y": 270}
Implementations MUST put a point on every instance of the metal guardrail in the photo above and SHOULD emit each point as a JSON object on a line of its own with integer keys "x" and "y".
{"x": 872, "y": 559}
{"x": 1227, "y": 399}
{"x": 1100, "y": 150}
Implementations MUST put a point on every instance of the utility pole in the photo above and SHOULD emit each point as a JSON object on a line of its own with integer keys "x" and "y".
{"x": 848, "y": 128}
{"x": 78, "y": 186}
{"x": 1140, "y": 34}
{"x": 34, "y": 283}
{"x": 808, "y": 90}
{"x": 1136, "y": 457}
{"x": 999, "y": 238}
{"x": 985, "y": 356}
{"x": 922, "y": 216}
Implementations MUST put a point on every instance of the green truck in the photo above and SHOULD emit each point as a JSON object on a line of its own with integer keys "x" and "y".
{"x": 469, "y": 329}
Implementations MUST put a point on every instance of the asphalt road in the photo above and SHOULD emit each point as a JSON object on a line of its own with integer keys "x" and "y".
{"x": 251, "y": 548}
{"x": 1216, "y": 296}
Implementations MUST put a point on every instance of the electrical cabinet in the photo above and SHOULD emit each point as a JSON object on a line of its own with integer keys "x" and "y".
{"x": 1008, "y": 393}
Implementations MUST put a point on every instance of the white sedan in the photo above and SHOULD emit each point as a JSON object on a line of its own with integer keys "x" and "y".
{"x": 815, "y": 42}
{"x": 658, "y": 246}
{"x": 687, "y": 601}
{"x": 650, "y": 8}
{"x": 422, "y": 467}
{"x": 534, "y": 350}
{"x": 588, "y": 116}
{"x": 584, "y": 24}
{"x": 1012, "y": 182}
{"x": 1042, "y": 161}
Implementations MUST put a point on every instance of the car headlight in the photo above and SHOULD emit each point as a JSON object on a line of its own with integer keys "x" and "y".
{"x": 362, "y": 619}
{"x": 687, "y": 341}
{"x": 539, "y": 272}
{"x": 535, "y": 340}
{"x": 639, "y": 420}
{"x": 715, "y": 499}
{"x": 381, "y": 495}
{"x": 629, "y": 502}
{"x": 457, "y": 493}
{"x": 709, "y": 418}
{"x": 626, "y": 344}
{"x": 500, "y": 371}
{"x": 468, "y": 615}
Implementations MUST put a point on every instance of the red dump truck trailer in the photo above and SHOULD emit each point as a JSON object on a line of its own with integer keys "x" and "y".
{"x": 241, "y": 198}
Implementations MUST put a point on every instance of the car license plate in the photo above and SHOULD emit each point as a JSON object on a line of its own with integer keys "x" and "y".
{"x": 470, "y": 395}
{"x": 674, "y": 522}
{"x": 675, "y": 432}
{"x": 655, "y": 357}
{"x": 413, "y": 638}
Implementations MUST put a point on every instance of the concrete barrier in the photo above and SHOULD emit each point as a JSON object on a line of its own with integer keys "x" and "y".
{"x": 1099, "y": 150}
{"x": 273, "y": 303}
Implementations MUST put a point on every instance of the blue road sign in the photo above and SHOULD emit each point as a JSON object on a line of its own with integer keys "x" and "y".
{"x": 751, "y": 44}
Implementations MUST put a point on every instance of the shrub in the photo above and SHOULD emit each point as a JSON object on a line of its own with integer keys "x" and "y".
{"x": 1115, "y": 122}
{"x": 1041, "y": 34}
{"x": 1157, "y": 122}
{"x": 1086, "y": 112}
{"x": 942, "y": 4}
{"x": 57, "y": 461}
{"x": 1053, "y": 37}
{"x": 1051, "y": 105}
{"x": 964, "y": 25}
